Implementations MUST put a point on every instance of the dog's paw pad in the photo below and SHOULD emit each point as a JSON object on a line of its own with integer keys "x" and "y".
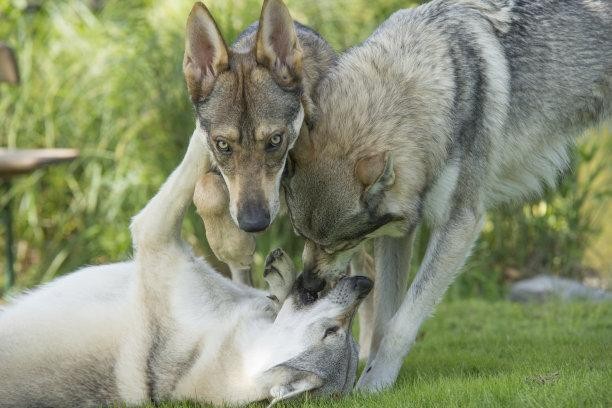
{"x": 279, "y": 273}
{"x": 275, "y": 256}
{"x": 278, "y": 261}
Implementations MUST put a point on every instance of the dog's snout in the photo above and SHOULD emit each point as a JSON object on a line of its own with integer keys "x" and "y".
{"x": 362, "y": 285}
{"x": 253, "y": 217}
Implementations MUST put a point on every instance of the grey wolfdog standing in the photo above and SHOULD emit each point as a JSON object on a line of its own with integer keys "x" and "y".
{"x": 446, "y": 110}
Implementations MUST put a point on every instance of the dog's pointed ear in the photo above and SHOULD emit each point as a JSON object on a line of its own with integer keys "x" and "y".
{"x": 286, "y": 382}
{"x": 206, "y": 54}
{"x": 375, "y": 173}
{"x": 278, "y": 47}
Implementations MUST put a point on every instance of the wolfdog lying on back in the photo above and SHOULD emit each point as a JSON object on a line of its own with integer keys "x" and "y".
{"x": 167, "y": 326}
{"x": 446, "y": 110}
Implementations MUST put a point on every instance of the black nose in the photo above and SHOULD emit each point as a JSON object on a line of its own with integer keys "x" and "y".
{"x": 253, "y": 218}
{"x": 362, "y": 285}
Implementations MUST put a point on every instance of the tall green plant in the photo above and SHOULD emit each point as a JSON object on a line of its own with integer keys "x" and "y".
{"x": 109, "y": 82}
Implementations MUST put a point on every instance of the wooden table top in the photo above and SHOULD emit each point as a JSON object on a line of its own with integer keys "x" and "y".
{"x": 22, "y": 161}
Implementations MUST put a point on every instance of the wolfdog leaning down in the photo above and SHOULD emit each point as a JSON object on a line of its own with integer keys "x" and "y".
{"x": 252, "y": 99}
{"x": 166, "y": 326}
{"x": 446, "y": 110}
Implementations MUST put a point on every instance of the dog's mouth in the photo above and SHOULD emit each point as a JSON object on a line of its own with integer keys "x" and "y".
{"x": 309, "y": 295}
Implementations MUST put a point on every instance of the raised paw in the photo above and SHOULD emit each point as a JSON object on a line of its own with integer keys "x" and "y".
{"x": 280, "y": 274}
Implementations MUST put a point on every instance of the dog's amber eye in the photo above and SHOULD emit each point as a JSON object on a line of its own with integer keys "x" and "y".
{"x": 275, "y": 141}
{"x": 223, "y": 146}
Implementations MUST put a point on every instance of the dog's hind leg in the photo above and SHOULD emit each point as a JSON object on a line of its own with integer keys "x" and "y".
{"x": 156, "y": 228}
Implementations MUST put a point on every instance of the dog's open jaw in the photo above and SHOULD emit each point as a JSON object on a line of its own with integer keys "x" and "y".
{"x": 309, "y": 346}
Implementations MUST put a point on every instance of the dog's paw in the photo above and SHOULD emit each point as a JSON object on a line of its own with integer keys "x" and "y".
{"x": 280, "y": 274}
{"x": 377, "y": 377}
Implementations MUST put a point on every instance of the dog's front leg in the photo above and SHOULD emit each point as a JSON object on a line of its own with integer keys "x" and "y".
{"x": 363, "y": 264}
{"x": 156, "y": 228}
{"x": 159, "y": 255}
{"x": 448, "y": 248}
{"x": 280, "y": 274}
{"x": 229, "y": 243}
{"x": 392, "y": 257}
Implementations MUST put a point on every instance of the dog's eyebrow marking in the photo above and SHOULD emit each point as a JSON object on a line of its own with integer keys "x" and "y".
{"x": 229, "y": 133}
{"x": 262, "y": 133}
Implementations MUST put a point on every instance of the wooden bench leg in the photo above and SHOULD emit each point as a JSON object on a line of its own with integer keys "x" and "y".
{"x": 7, "y": 220}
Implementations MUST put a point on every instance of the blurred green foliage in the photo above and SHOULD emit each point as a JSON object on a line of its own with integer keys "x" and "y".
{"x": 108, "y": 80}
{"x": 551, "y": 234}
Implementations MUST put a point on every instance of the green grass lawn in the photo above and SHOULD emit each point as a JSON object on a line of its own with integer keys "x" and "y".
{"x": 477, "y": 353}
